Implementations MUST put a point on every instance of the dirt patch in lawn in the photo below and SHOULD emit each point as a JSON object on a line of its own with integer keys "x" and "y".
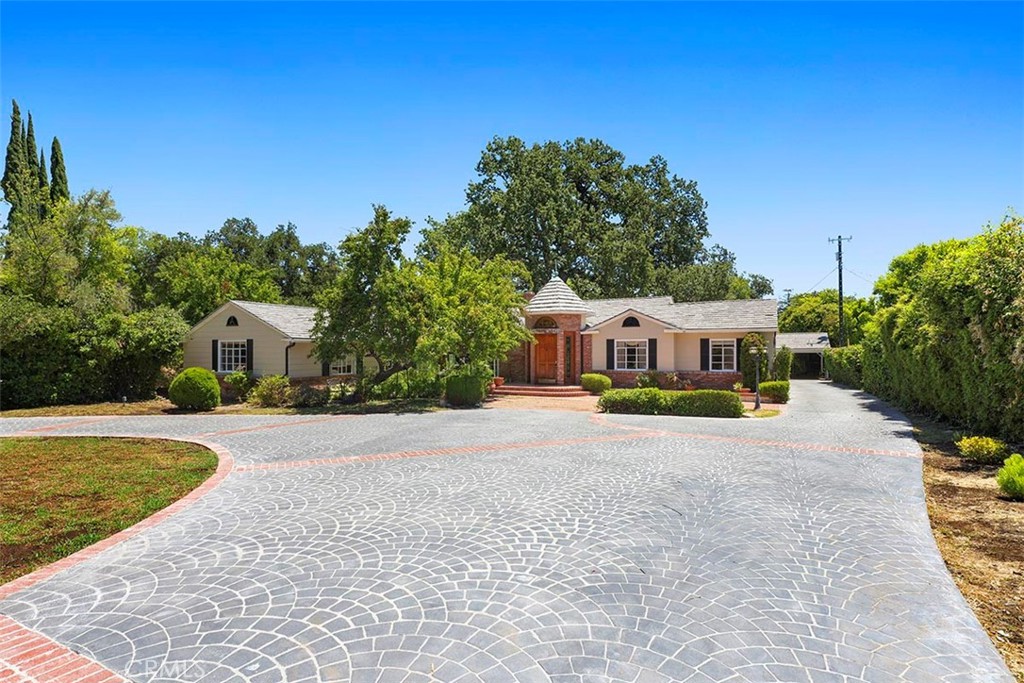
{"x": 981, "y": 538}
{"x": 61, "y": 494}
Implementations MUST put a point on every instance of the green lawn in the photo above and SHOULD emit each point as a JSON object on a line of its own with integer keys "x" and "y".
{"x": 60, "y": 494}
{"x": 161, "y": 406}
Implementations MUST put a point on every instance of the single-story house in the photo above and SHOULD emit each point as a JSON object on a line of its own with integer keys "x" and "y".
{"x": 808, "y": 352}
{"x": 266, "y": 339}
{"x": 621, "y": 338}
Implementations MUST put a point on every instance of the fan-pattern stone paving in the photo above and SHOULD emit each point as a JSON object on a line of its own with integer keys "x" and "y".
{"x": 529, "y": 546}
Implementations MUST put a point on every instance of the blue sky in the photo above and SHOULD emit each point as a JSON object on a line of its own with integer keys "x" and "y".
{"x": 895, "y": 123}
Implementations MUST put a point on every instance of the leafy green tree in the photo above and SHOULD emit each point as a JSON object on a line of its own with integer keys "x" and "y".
{"x": 473, "y": 310}
{"x": 712, "y": 277}
{"x": 819, "y": 312}
{"x": 375, "y": 307}
{"x": 196, "y": 282}
{"x": 59, "y": 191}
{"x": 576, "y": 209}
{"x": 241, "y": 237}
{"x": 77, "y": 252}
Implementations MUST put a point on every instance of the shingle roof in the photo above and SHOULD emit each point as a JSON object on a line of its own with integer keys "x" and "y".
{"x": 295, "y": 322}
{"x": 743, "y": 314}
{"x": 556, "y": 297}
{"x": 803, "y": 341}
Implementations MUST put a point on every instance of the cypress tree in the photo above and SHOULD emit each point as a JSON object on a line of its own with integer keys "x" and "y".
{"x": 14, "y": 163}
{"x": 44, "y": 184}
{"x": 30, "y": 148}
{"x": 58, "y": 175}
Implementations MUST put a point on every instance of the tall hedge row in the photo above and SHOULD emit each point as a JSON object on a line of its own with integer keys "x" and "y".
{"x": 949, "y": 336}
{"x": 845, "y": 365}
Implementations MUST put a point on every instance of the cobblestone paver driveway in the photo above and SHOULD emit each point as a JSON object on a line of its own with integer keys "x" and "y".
{"x": 530, "y": 546}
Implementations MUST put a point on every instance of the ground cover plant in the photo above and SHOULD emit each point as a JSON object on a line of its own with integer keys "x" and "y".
{"x": 61, "y": 494}
{"x": 982, "y": 449}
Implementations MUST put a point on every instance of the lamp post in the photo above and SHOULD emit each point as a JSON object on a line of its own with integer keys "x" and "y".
{"x": 755, "y": 351}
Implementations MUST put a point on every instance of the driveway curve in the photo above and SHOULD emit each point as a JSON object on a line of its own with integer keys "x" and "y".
{"x": 528, "y": 546}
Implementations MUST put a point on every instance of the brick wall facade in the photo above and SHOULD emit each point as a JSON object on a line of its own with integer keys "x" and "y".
{"x": 626, "y": 379}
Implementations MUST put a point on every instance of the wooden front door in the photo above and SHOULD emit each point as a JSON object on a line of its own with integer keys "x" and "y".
{"x": 547, "y": 357}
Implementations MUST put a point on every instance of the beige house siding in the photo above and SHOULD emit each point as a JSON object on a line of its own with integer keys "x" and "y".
{"x": 268, "y": 344}
{"x": 687, "y": 345}
{"x": 648, "y": 329}
{"x": 302, "y": 362}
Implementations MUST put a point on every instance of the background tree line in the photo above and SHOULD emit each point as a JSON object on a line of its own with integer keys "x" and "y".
{"x": 93, "y": 309}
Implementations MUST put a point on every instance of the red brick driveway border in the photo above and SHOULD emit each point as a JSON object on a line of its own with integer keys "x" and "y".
{"x": 28, "y": 656}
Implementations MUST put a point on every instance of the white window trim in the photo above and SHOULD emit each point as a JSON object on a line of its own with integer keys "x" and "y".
{"x": 647, "y": 354}
{"x": 711, "y": 355}
{"x": 220, "y": 354}
{"x": 342, "y": 361}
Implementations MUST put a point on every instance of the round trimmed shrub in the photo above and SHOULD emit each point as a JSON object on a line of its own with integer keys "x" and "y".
{"x": 595, "y": 383}
{"x": 195, "y": 389}
{"x": 1011, "y": 477}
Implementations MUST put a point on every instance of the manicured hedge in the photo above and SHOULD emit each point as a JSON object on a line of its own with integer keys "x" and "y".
{"x": 595, "y": 382}
{"x": 775, "y": 392}
{"x": 195, "y": 389}
{"x": 650, "y": 401}
{"x": 704, "y": 403}
{"x": 844, "y": 365}
{"x": 463, "y": 390}
{"x": 949, "y": 336}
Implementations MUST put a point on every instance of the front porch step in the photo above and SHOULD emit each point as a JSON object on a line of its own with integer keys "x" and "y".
{"x": 549, "y": 390}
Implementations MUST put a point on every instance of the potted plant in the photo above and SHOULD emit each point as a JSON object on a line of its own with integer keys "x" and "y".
{"x": 498, "y": 381}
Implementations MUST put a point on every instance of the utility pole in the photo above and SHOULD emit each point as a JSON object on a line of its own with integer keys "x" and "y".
{"x": 839, "y": 258}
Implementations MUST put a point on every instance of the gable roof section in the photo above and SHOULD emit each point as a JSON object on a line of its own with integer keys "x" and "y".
{"x": 294, "y": 322}
{"x": 803, "y": 341}
{"x": 556, "y": 297}
{"x": 657, "y": 308}
{"x": 741, "y": 314}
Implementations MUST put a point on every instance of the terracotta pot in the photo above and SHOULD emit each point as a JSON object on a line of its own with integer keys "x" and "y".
{"x": 498, "y": 381}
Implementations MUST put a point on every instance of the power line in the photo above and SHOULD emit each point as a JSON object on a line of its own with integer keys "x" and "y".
{"x": 812, "y": 287}
{"x": 853, "y": 272}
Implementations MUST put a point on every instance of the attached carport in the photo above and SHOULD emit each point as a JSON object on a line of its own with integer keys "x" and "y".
{"x": 808, "y": 352}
